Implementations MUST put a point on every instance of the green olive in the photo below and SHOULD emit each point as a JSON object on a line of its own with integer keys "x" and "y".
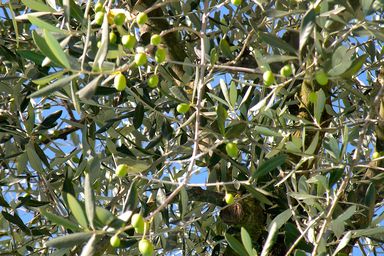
{"x": 128, "y": 41}
{"x": 140, "y": 59}
{"x": 153, "y": 81}
{"x": 268, "y": 78}
{"x": 286, "y": 71}
{"x": 121, "y": 170}
{"x": 137, "y": 221}
{"x": 115, "y": 241}
{"x": 229, "y": 199}
{"x": 236, "y": 2}
{"x": 155, "y": 39}
{"x": 183, "y": 108}
{"x": 119, "y": 19}
{"x": 99, "y": 17}
{"x": 160, "y": 54}
{"x": 141, "y": 18}
{"x": 146, "y": 247}
{"x": 112, "y": 37}
{"x": 99, "y": 7}
{"x": 232, "y": 149}
{"x": 375, "y": 155}
{"x": 120, "y": 82}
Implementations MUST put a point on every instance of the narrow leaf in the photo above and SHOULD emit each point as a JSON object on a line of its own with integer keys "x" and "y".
{"x": 224, "y": 90}
{"x": 235, "y": 130}
{"x": 367, "y": 232}
{"x": 59, "y": 220}
{"x": 269, "y": 165}
{"x": 344, "y": 242}
{"x": 103, "y": 50}
{"x": 233, "y": 94}
{"x": 235, "y": 245}
{"x": 266, "y": 131}
{"x": 54, "y": 86}
{"x": 91, "y": 247}
{"x": 302, "y": 196}
{"x": 15, "y": 219}
{"x": 341, "y": 61}
{"x": 247, "y": 241}
{"x": 270, "y": 239}
{"x": 33, "y": 158}
{"x": 221, "y": 117}
{"x": 45, "y": 25}
{"x": 319, "y": 105}
{"x": 281, "y": 219}
{"x": 52, "y": 118}
{"x": 44, "y": 48}
{"x": 307, "y": 25}
{"x": 273, "y": 228}
{"x": 56, "y": 49}
{"x": 49, "y": 78}
{"x": 89, "y": 200}
{"x": 225, "y": 48}
{"x": 277, "y": 42}
{"x": 70, "y": 240}
{"x": 77, "y": 210}
{"x": 104, "y": 216}
{"x": 37, "y": 6}
{"x": 90, "y": 89}
{"x": 179, "y": 94}
{"x": 42, "y": 155}
{"x": 139, "y": 116}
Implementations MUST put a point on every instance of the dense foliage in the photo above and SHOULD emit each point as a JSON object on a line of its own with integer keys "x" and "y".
{"x": 191, "y": 127}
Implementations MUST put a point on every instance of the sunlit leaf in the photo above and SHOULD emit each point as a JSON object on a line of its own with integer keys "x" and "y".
{"x": 77, "y": 210}
{"x": 69, "y": 240}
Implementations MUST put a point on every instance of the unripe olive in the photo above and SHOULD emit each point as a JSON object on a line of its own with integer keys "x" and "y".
{"x": 155, "y": 39}
{"x": 229, "y": 199}
{"x": 120, "y": 82}
{"x": 183, "y": 108}
{"x": 286, "y": 71}
{"x": 141, "y": 18}
{"x": 236, "y": 2}
{"x": 153, "y": 81}
{"x": 375, "y": 155}
{"x": 143, "y": 228}
{"x": 128, "y": 41}
{"x": 232, "y": 149}
{"x": 119, "y": 19}
{"x": 321, "y": 77}
{"x": 115, "y": 241}
{"x": 137, "y": 221}
{"x": 99, "y": 7}
{"x": 140, "y": 59}
{"x": 146, "y": 247}
{"x": 112, "y": 37}
{"x": 99, "y": 17}
{"x": 268, "y": 78}
{"x": 121, "y": 170}
{"x": 160, "y": 54}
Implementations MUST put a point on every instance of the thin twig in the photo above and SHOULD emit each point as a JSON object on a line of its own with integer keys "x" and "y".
{"x": 198, "y": 106}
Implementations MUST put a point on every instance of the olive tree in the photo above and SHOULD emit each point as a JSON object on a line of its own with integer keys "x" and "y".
{"x": 191, "y": 127}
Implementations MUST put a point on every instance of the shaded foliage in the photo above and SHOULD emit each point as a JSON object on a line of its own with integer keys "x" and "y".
{"x": 304, "y": 174}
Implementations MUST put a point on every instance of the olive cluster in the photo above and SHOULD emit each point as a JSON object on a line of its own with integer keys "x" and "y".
{"x": 141, "y": 226}
{"x": 117, "y": 19}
